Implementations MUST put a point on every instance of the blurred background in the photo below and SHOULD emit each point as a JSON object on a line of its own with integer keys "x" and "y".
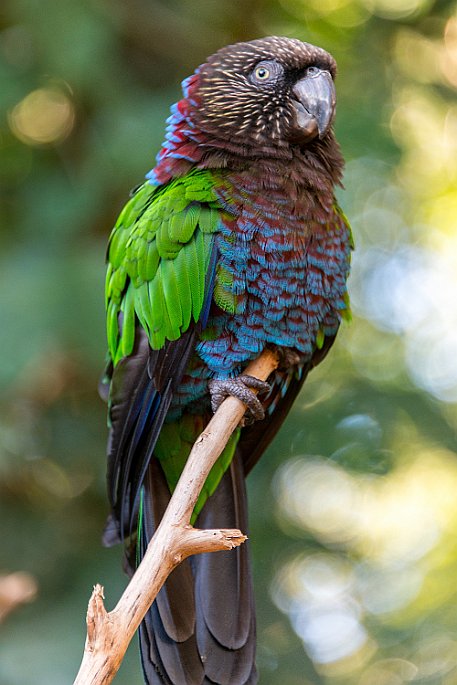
{"x": 354, "y": 507}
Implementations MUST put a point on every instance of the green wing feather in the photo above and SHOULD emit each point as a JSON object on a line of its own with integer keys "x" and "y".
{"x": 158, "y": 256}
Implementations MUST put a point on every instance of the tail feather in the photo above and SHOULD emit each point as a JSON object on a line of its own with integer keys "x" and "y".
{"x": 153, "y": 668}
{"x": 175, "y": 601}
{"x": 201, "y": 628}
{"x": 178, "y": 599}
{"x": 168, "y": 646}
{"x": 224, "y": 579}
{"x": 164, "y": 660}
{"x": 227, "y": 668}
{"x": 224, "y": 596}
{"x": 180, "y": 660}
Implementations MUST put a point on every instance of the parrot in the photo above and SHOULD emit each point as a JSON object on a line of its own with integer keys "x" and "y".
{"x": 233, "y": 244}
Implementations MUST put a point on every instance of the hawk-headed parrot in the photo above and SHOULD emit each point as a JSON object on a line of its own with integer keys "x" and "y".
{"x": 234, "y": 243}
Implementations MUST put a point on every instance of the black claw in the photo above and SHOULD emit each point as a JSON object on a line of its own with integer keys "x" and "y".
{"x": 240, "y": 387}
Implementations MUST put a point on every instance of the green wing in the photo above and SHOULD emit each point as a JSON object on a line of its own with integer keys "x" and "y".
{"x": 159, "y": 255}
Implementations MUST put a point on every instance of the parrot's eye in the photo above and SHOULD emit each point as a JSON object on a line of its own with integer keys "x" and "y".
{"x": 262, "y": 73}
{"x": 267, "y": 72}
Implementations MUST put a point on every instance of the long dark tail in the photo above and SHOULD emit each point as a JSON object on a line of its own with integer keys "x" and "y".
{"x": 201, "y": 628}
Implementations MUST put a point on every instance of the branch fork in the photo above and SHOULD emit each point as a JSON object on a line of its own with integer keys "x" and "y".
{"x": 109, "y": 633}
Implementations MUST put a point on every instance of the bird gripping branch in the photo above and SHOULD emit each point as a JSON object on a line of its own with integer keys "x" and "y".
{"x": 235, "y": 243}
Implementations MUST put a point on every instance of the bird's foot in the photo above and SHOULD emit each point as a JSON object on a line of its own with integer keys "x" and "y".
{"x": 241, "y": 387}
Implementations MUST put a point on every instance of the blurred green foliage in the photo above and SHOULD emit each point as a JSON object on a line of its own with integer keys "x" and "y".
{"x": 353, "y": 508}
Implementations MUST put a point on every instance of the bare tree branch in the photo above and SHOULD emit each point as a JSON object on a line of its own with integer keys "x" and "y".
{"x": 109, "y": 634}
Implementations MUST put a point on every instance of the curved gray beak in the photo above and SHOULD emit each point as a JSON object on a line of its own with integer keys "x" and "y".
{"x": 314, "y": 104}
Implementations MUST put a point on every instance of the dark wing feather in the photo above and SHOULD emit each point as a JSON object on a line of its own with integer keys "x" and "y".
{"x": 128, "y": 384}
{"x": 142, "y": 387}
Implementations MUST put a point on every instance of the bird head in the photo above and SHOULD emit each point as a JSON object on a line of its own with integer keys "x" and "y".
{"x": 272, "y": 91}
{"x": 267, "y": 98}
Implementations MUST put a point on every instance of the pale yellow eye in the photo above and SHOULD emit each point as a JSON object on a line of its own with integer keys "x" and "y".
{"x": 262, "y": 73}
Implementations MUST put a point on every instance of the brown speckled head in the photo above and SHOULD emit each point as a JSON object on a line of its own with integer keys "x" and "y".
{"x": 246, "y": 91}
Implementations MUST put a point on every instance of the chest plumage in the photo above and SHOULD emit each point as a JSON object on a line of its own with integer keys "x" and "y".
{"x": 283, "y": 260}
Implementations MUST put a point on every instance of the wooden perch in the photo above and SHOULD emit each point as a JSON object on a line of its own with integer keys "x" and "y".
{"x": 109, "y": 634}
